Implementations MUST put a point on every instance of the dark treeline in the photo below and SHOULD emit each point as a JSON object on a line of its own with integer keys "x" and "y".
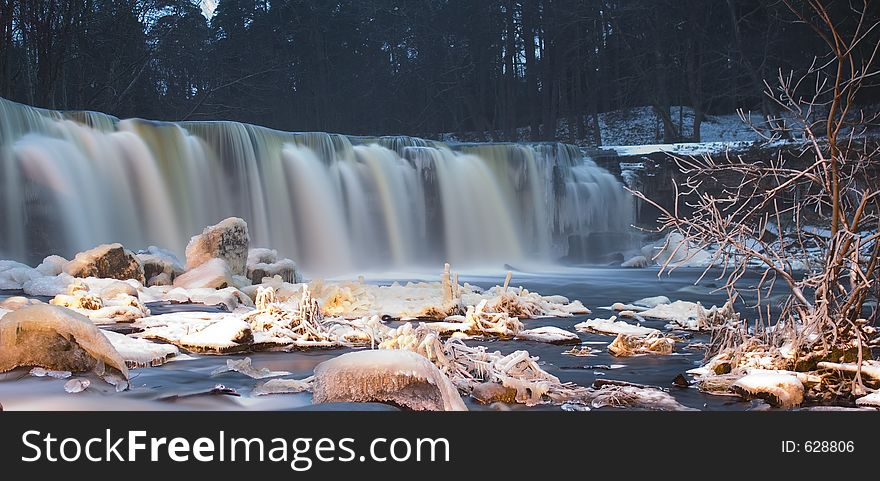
{"x": 394, "y": 66}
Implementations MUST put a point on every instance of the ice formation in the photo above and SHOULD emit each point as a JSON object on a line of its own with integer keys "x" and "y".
{"x": 613, "y": 327}
{"x": 140, "y": 352}
{"x": 391, "y": 376}
{"x": 869, "y": 368}
{"x": 76, "y": 385}
{"x": 871, "y": 400}
{"x": 40, "y": 372}
{"x": 246, "y": 367}
{"x": 549, "y": 334}
{"x": 691, "y": 316}
{"x": 227, "y": 240}
{"x": 216, "y": 333}
{"x": 57, "y": 339}
{"x": 262, "y": 263}
{"x": 284, "y": 386}
{"x": 625, "y": 345}
{"x": 212, "y": 273}
{"x": 638, "y": 397}
{"x": 780, "y": 389}
{"x": 106, "y": 261}
{"x": 112, "y": 304}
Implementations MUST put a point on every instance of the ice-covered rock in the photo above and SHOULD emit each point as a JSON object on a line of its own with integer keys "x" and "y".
{"x": 674, "y": 250}
{"x": 650, "y": 302}
{"x": 158, "y": 261}
{"x": 871, "y": 400}
{"x": 636, "y": 262}
{"x": 613, "y": 327}
{"x": 227, "y": 335}
{"x": 285, "y": 268}
{"x": 778, "y": 388}
{"x": 52, "y": 265}
{"x": 162, "y": 279}
{"x": 140, "y": 352}
{"x": 206, "y": 332}
{"x": 111, "y": 302}
{"x": 227, "y": 240}
{"x": 40, "y": 372}
{"x": 213, "y": 273}
{"x": 106, "y": 261}
{"x": 48, "y": 286}
{"x": 17, "y": 302}
{"x": 549, "y": 334}
{"x": 229, "y": 297}
{"x": 399, "y": 377}
{"x": 14, "y": 275}
{"x": 691, "y": 315}
{"x": 624, "y": 345}
{"x": 55, "y": 338}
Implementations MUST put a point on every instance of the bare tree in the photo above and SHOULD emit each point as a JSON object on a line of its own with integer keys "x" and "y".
{"x": 807, "y": 218}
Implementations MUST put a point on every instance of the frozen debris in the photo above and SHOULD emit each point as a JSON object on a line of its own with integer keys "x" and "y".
{"x": 468, "y": 366}
{"x": 203, "y": 332}
{"x": 492, "y": 322}
{"x": 140, "y": 352}
{"x": 779, "y": 389}
{"x": 106, "y": 261}
{"x": 262, "y": 263}
{"x": 549, "y": 334}
{"x": 17, "y": 302}
{"x": 57, "y": 339}
{"x": 227, "y": 240}
{"x": 634, "y": 397}
{"x": 159, "y": 265}
{"x": 692, "y": 316}
{"x": 212, "y": 273}
{"x": 48, "y": 286}
{"x": 871, "y": 400}
{"x": 76, "y": 385}
{"x": 287, "y": 323}
{"x": 284, "y": 386}
{"x": 869, "y": 368}
{"x": 40, "y": 372}
{"x": 112, "y": 304}
{"x": 625, "y": 345}
{"x": 490, "y": 392}
{"x": 613, "y": 327}
{"x": 636, "y": 262}
{"x": 52, "y": 266}
{"x": 391, "y": 376}
{"x": 675, "y": 251}
{"x": 580, "y": 351}
{"x": 245, "y": 366}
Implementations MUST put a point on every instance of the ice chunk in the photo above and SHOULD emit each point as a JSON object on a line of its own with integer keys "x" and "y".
{"x": 780, "y": 389}
{"x": 212, "y": 273}
{"x": 245, "y": 366}
{"x": 76, "y": 385}
{"x": 55, "y": 338}
{"x": 399, "y": 377}
{"x": 549, "y": 334}
{"x": 871, "y": 400}
{"x": 140, "y": 352}
{"x": 40, "y": 372}
{"x": 614, "y": 327}
{"x": 284, "y": 386}
{"x": 106, "y": 261}
{"x": 227, "y": 240}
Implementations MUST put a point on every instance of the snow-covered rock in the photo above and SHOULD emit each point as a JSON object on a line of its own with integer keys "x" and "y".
{"x": 55, "y": 338}
{"x": 691, "y": 316}
{"x": 631, "y": 396}
{"x": 871, "y": 400}
{"x": 674, "y": 251}
{"x": 48, "y": 286}
{"x": 140, "y": 352}
{"x": 14, "y": 275}
{"x": 213, "y": 273}
{"x": 52, "y": 265}
{"x": 159, "y": 262}
{"x": 613, "y": 327}
{"x": 17, "y": 302}
{"x": 549, "y": 334}
{"x": 779, "y": 389}
{"x": 198, "y": 331}
{"x": 400, "y": 377}
{"x": 285, "y": 268}
{"x": 227, "y": 240}
{"x": 106, "y": 261}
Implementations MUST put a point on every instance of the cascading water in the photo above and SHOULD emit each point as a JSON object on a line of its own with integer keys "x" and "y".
{"x": 335, "y": 204}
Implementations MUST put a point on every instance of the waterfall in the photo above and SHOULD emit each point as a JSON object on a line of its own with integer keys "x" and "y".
{"x": 333, "y": 203}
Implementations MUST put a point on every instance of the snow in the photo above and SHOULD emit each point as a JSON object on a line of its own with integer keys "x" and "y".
{"x": 780, "y": 389}
{"x": 396, "y": 376}
{"x": 48, "y": 286}
{"x": 52, "y": 265}
{"x": 139, "y": 352}
{"x": 14, "y": 275}
{"x": 614, "y": 327}
{"x": 548, "y": 334}
{"x": 55, "y": 338}
{"x": 871, "y": 400}
{"x": 212, "y": 273}
{"x": 113, "y": 303}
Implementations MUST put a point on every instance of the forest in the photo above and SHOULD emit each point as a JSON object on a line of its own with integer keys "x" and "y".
{"x": 416, "y": 67}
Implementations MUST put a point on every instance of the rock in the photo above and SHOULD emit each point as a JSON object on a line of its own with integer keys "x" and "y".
{"x": 399, "y": 377}
{"x": 227, "y": 240}
{"x": 550, "y": 335}
{"x": 489, "y": 392}
{"x": 214, "y": 274}
{"x": 780, "y": 389}
{"x": 261, "y": 255}
{"x": 17, "y": 302}
{"x": 109, "y": 261}
{"x": 674, "y": 250}
{"x": 203, "y": 332}
{"x": 158, "y": 261}
{"x": 636, "y": 262}
{"x": 52, "y": 265}
{"x": 162, "y": 279}
{"x": 57, "y": 339}
{"x": 284, "y": 268}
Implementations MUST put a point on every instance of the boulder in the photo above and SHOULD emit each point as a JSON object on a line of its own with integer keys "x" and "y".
{"x": 285, "y": 268}
{"x": 227, "y": 240}
{"x": 214, "y": 274}
{"x": 398, "y": 377}
{"x": 108, "y": 261}
{"x": 157, "y": 261}
{"x": 57, "y": 339}
{"x": 52, "y": 265}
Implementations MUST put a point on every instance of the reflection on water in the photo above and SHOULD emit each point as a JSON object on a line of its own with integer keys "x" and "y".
{"x": 186, "y": 384}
